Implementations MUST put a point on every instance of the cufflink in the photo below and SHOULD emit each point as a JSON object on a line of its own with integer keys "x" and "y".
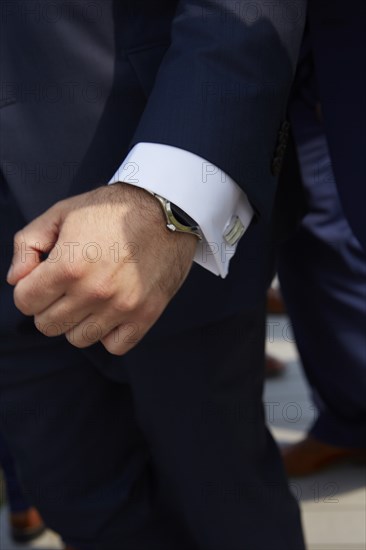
{"x": 234, "y": 231}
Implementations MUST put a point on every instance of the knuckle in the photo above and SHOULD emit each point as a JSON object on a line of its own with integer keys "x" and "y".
{"x": 114, "y": 348}
{"x": 40, "y": 326}
{"x": 58, "y": 205}
{"x": 71, "y": 271}
{"x": 56, "y": 316}
{"x": 128, "y": 303}
{"x": 48, "y": 328}
{"x": 22, "y": 302}
{"x": 100, "y": 290}
{"x": 63, "y": 312}
{"x": 77, "y": 341}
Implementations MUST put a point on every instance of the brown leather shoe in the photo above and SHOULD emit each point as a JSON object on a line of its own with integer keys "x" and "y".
{"x": 26, "y": 526}
{"x": 311, "y": 455}
{"x": 275, "y": 303}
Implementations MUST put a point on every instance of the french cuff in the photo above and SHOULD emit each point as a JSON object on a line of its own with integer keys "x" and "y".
{"x": 206, "y": 193}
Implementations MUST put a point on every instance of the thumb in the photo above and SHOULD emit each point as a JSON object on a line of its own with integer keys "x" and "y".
{"x": 34, "y": 240}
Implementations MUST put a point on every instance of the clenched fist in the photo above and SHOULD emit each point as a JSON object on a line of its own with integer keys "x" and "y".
{"x": 111, "y": 264}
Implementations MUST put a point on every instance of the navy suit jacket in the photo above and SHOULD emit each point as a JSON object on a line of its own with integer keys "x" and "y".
{"x": 83, "y": 81}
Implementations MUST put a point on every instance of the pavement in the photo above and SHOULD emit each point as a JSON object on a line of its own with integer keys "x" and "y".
{"x": 333, "y": 503}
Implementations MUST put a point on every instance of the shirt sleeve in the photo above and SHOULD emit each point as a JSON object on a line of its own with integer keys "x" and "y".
{"x": 206, "y": 193}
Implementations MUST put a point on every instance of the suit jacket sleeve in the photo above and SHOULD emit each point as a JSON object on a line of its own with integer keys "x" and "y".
{"x": 222, "y": 87}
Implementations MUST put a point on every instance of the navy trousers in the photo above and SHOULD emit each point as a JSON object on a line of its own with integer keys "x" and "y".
{"x": 164, "y": 448}
{"x": 322, "y": 270}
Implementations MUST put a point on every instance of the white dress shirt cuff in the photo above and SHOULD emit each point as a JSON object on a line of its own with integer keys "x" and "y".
{"x": 199, "y": 188}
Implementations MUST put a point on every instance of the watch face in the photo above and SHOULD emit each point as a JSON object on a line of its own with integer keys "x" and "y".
{"x": 177, "y": 219}
{"x": 181, "y": 216}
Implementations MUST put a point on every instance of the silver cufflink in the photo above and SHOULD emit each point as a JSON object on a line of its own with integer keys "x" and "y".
{"x": 234, "y": 231}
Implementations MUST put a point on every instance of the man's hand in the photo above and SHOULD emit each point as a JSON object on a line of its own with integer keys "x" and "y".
{"x": 112, "y": 267}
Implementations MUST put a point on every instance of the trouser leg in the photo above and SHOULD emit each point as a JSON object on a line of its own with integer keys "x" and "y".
{"x": 322, "y": 270}
{"x": 198, "y": 402}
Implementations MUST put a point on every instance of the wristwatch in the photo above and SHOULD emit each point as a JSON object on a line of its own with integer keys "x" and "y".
{"x": 177, "y": 219}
